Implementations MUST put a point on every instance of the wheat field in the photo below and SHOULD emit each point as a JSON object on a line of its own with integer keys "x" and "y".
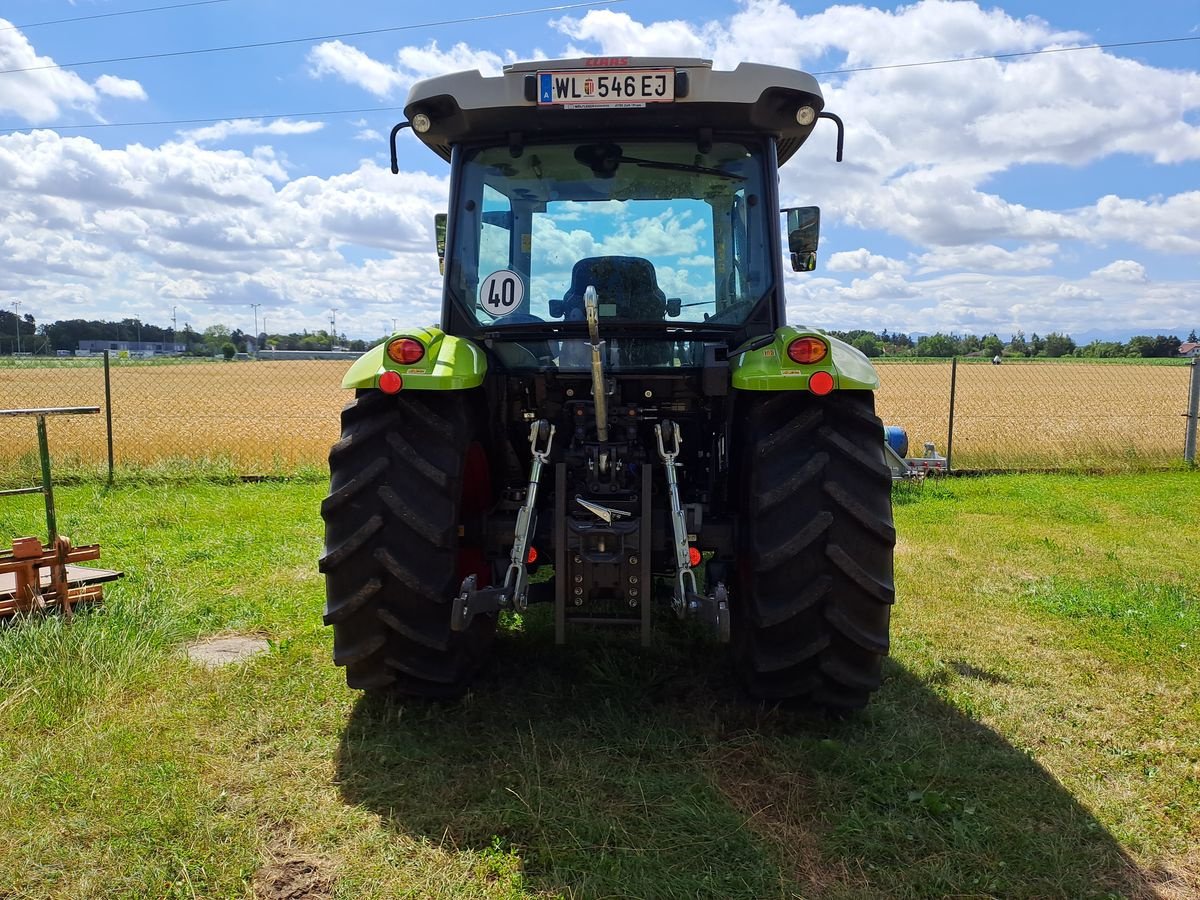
{"x": 277, "y": 416}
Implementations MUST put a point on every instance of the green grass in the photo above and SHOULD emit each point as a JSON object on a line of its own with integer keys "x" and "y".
{"x": 1036, "y": 735}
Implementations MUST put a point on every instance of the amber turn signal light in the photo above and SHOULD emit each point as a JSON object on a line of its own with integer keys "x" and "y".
{"x": 807, "y": 350}
{"x": 405, "y": 351}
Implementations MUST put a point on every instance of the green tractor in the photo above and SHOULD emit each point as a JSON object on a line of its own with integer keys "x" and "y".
{"x": 613, "y": 394}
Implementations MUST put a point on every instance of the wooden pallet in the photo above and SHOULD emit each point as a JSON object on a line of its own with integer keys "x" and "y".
{"x": 34, "y": 578}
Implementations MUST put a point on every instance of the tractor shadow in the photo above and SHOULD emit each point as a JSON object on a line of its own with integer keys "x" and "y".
{"x": 613, "y": 771}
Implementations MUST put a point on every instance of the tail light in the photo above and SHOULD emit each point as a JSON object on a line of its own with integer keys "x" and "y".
{"x": 531, "y": 556}
{"x": 693, "y": 557}
{"x": 807, "y": 350}
{"x": 405, "y": 351}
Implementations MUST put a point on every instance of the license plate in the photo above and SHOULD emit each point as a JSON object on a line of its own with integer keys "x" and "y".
{"x": 623, "y": 88}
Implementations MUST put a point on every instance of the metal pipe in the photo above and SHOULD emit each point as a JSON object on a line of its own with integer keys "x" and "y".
{"x": 1189, "y": 443}
{"x": 591, "y": 305}
{"x": 950, "y": 429}
{"x": 108, "y": 415}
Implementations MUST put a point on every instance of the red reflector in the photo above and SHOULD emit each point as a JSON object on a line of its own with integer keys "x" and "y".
{"x": 531, "y": 556}
{"x": 405, "y": 351}
{"x": 390, "y": 382}
{"x": 693, "y": 557}
{"x": 820, "y": 383}
{"x": 807, "y": 350}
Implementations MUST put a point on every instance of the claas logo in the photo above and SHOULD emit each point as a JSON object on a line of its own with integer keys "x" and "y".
{"x": 606, "y": 62}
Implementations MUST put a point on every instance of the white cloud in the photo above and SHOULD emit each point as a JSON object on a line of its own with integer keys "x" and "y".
{"x": 38, "y": 96}
{"x": 412, "y": 64}
{"x": 862, "y": 260}
{"x": 1168, "y": 225}
{"x": 230, "y": 127}
{"x": 368, "y": 134}
{"x": 122, "y": 88}
{"x": 988, "y": 258}
{"x": 1125, "y": 270}
{"x": 80, "y": 224}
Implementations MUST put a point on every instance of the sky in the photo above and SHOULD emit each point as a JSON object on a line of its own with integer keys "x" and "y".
{"x": 1049, "y": 192}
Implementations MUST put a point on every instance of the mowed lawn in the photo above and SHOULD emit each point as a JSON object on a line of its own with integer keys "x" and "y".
{"x": 1037, "y": 734}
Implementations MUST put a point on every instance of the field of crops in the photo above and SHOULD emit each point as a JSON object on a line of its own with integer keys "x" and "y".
{"x": 276, "y": 416}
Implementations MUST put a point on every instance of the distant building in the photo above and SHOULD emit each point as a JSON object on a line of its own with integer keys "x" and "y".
{"x": 1190, "y": 348}
{"x": 133, "y": 348}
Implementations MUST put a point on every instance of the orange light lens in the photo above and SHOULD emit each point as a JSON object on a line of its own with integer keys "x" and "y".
{"x": 693, "y": 557}
{"x": 531, "y": 556}
{"x": 405, "y": 351}
{"x": 820, "y": 383}
{"x": 390, "y": 382}
{"x": 807, "y": 350}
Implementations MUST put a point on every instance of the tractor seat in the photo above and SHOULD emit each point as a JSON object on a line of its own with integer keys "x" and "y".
{"x": 628, "y": 283}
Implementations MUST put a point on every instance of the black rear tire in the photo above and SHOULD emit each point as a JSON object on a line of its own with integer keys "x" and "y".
{"x": 815, "y": 587}
{"x": 406, "y": 478}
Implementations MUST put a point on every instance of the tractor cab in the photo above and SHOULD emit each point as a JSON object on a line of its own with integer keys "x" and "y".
{"x": 652, "y": 180}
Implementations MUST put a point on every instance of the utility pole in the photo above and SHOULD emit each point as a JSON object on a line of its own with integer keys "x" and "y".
{"x": 393, "y": 326}
{"x": 174, "y": 329}
{"x": 16, "y": 304}
{"x": 256, "y": 306}
{"x": 332, "y": 328}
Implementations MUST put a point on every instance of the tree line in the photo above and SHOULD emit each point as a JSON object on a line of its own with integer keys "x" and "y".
{"x": 215, "y": 340}
{"x": 1051, "y": 346}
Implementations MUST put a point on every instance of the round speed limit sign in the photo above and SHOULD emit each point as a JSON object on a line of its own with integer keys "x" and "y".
{"x": 501, "y": 292}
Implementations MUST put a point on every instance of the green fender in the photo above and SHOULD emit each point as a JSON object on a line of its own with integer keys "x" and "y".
{"x": 449, "y": 364}
{"x": 770, "y": 369}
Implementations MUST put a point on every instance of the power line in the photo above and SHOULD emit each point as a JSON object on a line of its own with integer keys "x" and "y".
{"x": 128, "y": 12}
{"x": 339, "y": 112}
{"x": 310, "y": 40}
{"x": 959, "y": 59}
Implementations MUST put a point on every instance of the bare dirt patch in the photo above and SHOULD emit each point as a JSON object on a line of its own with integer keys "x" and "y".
{"x": 214, "y": 652}
{"x": 292, "y": 875}
{"x": 775, "y": 805}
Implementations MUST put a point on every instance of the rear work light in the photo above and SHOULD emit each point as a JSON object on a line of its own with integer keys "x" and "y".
{"x": 405, "y": 351}
{"x": 807, "y": 350}
{"x": 390, "y": 382}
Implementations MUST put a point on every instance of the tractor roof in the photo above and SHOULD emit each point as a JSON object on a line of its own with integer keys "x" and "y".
{"x": 560, "y": 98}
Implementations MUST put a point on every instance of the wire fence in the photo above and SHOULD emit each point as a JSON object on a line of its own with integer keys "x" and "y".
{"x": 281, "y": 416}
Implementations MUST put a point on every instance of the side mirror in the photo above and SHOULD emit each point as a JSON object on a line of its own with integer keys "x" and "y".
{"x": 439, "y": 230}
{"x": 674, "y": 304}
{"x": 804, "y": 231}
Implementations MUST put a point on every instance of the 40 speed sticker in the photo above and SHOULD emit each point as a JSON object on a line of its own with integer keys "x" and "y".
{"x": 501, "y": 293}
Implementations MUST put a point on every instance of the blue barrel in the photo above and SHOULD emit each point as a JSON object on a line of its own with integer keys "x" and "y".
{"x": 897, "y": 439}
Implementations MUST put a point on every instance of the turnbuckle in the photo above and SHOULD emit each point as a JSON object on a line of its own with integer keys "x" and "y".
{"x": 687, "y": 599}
{"x": 472, "y": 601}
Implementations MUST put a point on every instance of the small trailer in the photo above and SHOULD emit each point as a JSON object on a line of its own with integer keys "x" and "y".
{"x": 903, "y": 466}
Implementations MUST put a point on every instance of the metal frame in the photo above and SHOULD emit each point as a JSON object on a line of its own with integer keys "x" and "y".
{"x": 46, "y": 488}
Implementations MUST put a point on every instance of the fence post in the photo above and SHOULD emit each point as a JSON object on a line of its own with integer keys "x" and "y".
{"x": 950, "y": 429}
{"x": 108, "y": 416}
{"x": 1189, "y": 442}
